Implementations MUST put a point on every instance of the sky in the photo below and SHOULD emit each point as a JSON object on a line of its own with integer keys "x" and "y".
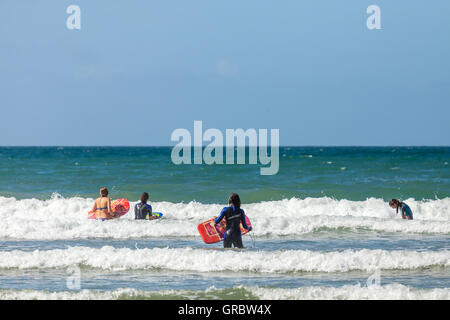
{"x": 137, "y": 70}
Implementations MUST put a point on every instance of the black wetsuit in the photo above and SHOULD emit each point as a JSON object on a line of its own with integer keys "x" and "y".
{"x": 234, "y": 219}
{"x": 141, "y": 210}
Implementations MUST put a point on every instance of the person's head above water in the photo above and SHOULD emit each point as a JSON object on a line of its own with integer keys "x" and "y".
{"x": 104, "y": 192}
{"x": 394, "y": 204}
{"x": 144, "y": 197}
{"x": 234, "y": 200}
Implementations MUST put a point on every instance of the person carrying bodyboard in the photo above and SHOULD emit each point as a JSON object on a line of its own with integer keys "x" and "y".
{"x": 234, "y": 216}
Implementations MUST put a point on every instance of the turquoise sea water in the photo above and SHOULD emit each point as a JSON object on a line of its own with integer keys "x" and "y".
{"x": 353, "y": 173}
{"x": 322, "y": 225}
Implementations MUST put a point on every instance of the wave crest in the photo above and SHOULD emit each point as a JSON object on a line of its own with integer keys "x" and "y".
{"x": 202, "y": 260}
{"x": 348, "y": 292}
{"x": 59, "y": 218}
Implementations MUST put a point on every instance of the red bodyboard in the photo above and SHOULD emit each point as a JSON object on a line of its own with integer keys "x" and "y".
{"x": 119, "y": 207}
{"x": 212, "y": 233}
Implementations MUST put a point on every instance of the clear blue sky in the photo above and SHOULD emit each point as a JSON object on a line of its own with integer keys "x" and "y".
{"x": 137, "y": 70}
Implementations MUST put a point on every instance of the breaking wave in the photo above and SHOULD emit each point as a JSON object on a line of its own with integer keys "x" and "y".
{"x": 59, "y": 218}
{"x": 203, "y": 260}
{"x": 348, "y": 292}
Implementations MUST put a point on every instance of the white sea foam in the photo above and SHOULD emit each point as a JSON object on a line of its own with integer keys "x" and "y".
{"x": 353, "y": 292}
{"x": 203, "y": 260}
{"x": 348, "y": 292}
{"x": 59, "y": 218}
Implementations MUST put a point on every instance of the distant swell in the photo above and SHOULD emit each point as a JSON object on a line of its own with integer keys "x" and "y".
{"x": 202, "y": 260}
{"x": 59, "y": 218}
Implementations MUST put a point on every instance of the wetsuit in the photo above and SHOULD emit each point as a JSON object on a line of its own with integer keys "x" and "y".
{"x": 141, "y": 210}
{"x": 233, "y": 234}
{"x": 406, "y": 211}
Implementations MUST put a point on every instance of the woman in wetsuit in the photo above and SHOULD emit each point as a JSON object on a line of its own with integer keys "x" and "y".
{"x": 102, "y": 206}
{"x": 143, "y": 210}
{"x": 405, "y": 210}
{"x": 234, "y": 216}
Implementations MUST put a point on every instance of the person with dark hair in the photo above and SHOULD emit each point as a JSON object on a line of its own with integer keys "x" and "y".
{"x": 142, "y": 210}
{"x": 405, "y": 210}
{"x": 234, "y": 216}
{"x": 102, "y": 206}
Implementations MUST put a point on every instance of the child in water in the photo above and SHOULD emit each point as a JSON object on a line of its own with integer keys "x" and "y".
{"x": 405, "y": 209}
{"x": 102, "y": 206}
{"x": 142, "y": 210}
{"x": 233, "y": 215}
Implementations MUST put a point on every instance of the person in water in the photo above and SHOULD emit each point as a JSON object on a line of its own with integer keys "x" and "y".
{"x": 142, "y": 210}
{"x": 234, "y": 216}
{"x": 102, "y": 206}
{"x": 405, "y": 210}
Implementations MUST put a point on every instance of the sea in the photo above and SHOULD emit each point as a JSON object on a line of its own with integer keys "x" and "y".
{"x": 322, "y": 226}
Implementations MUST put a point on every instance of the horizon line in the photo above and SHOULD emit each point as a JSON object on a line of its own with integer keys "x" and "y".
{"x": 169, "y": 146}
